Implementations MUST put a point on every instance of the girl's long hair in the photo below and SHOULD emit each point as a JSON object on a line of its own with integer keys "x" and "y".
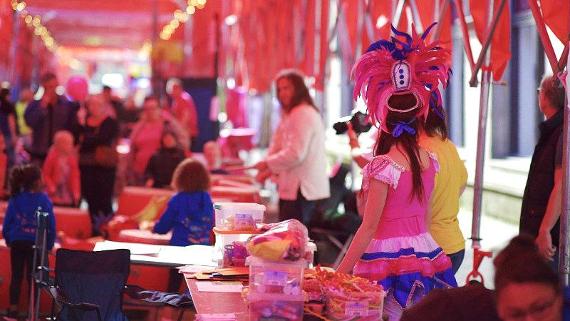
{"x": 407, "y": 141}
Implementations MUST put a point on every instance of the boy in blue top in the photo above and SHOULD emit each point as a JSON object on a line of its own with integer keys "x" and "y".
{"x": 190, "y": 212}
{"x": 20, "y": 224}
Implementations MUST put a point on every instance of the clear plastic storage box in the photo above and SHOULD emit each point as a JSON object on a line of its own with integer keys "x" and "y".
{"x": 238, "y": 216}
{"x": 230, "y": 247}
{"x": 275, "y": 307}
{"x": 266, "y": 277}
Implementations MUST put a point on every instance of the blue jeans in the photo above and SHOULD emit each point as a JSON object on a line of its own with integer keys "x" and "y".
{"x": 456, "y": 260}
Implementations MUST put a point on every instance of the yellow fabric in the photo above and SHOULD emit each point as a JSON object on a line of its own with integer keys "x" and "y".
{"x": 22, "y": 126}
{"x": 153, "y": 209}
{"x": 449, "y": 182}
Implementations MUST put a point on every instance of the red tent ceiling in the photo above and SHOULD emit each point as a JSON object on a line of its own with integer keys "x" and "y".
{"x": 102, "y": 23}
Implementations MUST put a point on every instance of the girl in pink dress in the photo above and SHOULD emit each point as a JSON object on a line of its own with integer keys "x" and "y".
{"x": 397, "y": 80}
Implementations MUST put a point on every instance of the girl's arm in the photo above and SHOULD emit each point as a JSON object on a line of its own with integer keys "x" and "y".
{"x": 8, "y": 222}
{"x": 372, "y": 213}
{"x": 166, "y": 221}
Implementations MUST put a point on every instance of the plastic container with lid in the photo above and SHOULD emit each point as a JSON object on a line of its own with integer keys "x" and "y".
{"x": 283, "y": 278}
{"x": 238, "y": 216}
{"x": 275, "y": 307}
{"x": 230, "y": 247}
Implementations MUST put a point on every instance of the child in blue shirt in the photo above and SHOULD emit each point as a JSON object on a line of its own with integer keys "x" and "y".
{"x": 190, "y": 212}
{"x": 20, "y": 224}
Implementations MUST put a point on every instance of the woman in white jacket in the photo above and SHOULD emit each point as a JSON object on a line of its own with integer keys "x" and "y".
{"x": 297, "y": 152}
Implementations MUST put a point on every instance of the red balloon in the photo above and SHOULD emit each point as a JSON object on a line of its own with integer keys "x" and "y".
{"x": 77, "y": 88}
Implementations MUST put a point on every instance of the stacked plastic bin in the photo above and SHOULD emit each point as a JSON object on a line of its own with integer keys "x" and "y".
{"x": 275, "y": 290}
{"x": 235, "y": 223}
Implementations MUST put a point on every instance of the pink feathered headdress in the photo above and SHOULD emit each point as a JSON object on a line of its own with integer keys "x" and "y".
{"x": 403, "y": 65}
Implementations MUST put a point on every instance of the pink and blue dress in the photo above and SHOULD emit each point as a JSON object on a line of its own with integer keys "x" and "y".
{"x": 403, "y": 257}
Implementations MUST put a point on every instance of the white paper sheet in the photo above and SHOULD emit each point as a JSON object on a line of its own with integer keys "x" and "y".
{"x": 219, "y": 286}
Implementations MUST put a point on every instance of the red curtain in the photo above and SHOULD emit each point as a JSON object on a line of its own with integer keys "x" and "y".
{"x": 556, "y": 15}
{"x": 500, "y": 45}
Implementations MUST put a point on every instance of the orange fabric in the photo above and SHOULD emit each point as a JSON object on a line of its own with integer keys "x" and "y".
{"x": 556, "y": 15}
{"x": 72, "y": 221}
{"x": 428, "y": 15}
{"x": 309, "y": 66}
{"x": 500, "y": 46}
{"x": 377, "y": 9}
{"x": 350, "y": 10}
{"x": 323, "y": 45}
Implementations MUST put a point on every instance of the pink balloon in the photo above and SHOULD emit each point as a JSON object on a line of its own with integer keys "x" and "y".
{"x": 77, "y": 88}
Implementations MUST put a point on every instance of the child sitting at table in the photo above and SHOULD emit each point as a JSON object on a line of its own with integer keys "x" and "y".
{"x": 163, "y": 162}
{"x": 189, "y": 213}
{"x": 61, "y": 171}
{"x": 20, "y": 225}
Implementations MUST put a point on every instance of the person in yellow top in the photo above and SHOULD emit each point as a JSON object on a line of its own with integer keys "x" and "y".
{"x": 449, "y": 185}
{"x": 26, "y": 96}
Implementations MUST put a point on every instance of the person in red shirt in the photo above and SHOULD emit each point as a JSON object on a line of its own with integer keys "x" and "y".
{"x": 183, "y": 108}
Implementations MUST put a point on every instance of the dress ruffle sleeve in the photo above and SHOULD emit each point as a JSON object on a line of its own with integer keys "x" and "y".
{"x": 381, "y": 168}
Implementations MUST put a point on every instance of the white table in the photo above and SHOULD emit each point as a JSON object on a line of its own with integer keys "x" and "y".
{"x": 163, "y": 255}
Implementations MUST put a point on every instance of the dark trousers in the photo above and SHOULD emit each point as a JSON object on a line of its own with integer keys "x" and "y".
{"x": 21, "y": 260}
{"x": 456, "y": 260}
{"x": 300, "y": 209}
{"x": 97, "y": 187}
{"x": 174, "y": 281}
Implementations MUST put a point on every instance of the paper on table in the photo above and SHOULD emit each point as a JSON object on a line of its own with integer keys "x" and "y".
{"x": 219, "y": 286}
{"x": 216, "y": 317}
{"x": 195, "y": 268}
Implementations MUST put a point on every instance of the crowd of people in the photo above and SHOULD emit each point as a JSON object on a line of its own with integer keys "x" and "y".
{"x": 409, "y": 240}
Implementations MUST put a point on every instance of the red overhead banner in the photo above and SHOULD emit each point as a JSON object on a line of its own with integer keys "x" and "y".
{"x": 556, "y": 15}
{"x": 501, "y": 42}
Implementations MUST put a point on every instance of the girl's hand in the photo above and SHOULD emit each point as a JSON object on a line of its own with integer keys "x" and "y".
{"x": 261, "y": 166}
{"x": 544, "y": 243}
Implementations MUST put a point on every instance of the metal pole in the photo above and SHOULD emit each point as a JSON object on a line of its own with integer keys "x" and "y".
{"x": 439, "y": 19}
{"x": 481, "y": 139}
{"x": 398, "y": 13}
{"x": 564, "y": 252}
{"x": 416, "y": 17}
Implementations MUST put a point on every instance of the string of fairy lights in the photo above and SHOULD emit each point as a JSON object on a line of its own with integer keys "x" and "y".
{"x": 35, "y": 23}
{"x": 180, "y": 17}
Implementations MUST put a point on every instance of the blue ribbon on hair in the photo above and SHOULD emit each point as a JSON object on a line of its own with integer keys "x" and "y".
{"x": 402, "y": 127}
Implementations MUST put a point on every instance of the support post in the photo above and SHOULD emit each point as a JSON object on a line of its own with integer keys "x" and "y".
{"x": 564, "y": 243}
{"x": 481, "y": 136}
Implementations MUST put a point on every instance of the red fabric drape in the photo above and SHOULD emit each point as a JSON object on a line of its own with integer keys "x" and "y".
{"x": 323, "y": 45}
{"x": 500, "y": 45}
{"x": 556, "y": 15}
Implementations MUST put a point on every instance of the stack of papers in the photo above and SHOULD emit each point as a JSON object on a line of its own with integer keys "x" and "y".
{"x": 216, "y": 317}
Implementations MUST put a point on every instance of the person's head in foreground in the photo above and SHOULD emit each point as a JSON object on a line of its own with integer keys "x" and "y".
{"x": 527, "y": 287}
{"x": 190, "y": 176}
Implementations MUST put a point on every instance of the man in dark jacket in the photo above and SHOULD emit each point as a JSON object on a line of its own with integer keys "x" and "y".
{"x": 542, "y": 196}
{"x": 46, "y": 116}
